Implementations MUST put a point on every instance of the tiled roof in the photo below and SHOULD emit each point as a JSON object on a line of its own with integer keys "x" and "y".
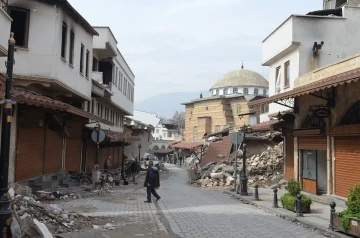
{"x": 187, "y": 145}
{"x": 30, "y": 98}
{"x": 220, "y": 147}
{"x": 265, "y": 126}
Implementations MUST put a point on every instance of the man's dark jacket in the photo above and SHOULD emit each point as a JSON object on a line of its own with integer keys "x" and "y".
{"x": 152, "y": 178}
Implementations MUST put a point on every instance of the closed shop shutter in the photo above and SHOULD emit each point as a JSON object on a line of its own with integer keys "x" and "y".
{"x": 104, "y": 157}
{"x": 120, "y": 156}
{"x": 73, "y": 146}
{"x": 111, "y": 153}
{"x": 30, "y": 145}
{"x": 312, "y": 143}
{"x": 90, "y": 158}
{"x": 53, "y": 151}
{"x": 289, "y": 153}
{"x": 347, "y": 164}
{"x": 116, "y": 157}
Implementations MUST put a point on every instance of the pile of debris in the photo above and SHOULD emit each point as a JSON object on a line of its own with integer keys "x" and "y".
{"x": 262, "y": 169}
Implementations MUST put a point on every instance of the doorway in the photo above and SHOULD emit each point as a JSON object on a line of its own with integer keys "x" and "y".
{"x": 314, "y": 171}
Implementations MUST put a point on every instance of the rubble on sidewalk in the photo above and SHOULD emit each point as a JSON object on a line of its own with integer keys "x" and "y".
{"x": 263, "y": 169}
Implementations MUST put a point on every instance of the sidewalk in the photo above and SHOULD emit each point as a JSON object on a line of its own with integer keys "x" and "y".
{"x": 317, "y": 220}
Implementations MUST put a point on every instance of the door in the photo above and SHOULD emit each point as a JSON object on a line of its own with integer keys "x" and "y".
{"x": 321, "y": 172}
{"x": 289, "y": 157}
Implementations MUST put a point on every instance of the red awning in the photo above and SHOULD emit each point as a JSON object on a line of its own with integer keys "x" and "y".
{"x": 119, "y": 137}
{"x": 188, "y": 145}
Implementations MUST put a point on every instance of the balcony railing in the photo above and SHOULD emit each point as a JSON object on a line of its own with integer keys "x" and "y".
{"x": 97, "y": 76}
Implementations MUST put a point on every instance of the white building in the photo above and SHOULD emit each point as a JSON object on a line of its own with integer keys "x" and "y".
{"x": 113, "y": 82}
{"x": 167, "y": 131}
{"x": 303, "y": 43}
{"x": 5, "y": 25}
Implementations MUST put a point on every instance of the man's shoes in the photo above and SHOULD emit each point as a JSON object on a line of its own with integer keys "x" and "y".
{"x": 158, "y": 199}
{"x": 148, "y": 201}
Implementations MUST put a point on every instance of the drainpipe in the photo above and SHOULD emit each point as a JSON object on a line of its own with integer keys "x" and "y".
{"x": 296, "y": 159}
{"x": 329, "y": 165}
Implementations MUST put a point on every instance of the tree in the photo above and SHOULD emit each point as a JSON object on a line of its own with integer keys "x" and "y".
{"x": 178, "y": 118}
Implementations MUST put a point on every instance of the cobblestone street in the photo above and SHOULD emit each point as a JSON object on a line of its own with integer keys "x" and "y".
{"x": 183, "y": 211}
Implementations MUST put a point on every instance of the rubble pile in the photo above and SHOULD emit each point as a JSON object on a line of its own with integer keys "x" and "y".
{"x": 263, "y": 169}
{"x": 52, "y": 216}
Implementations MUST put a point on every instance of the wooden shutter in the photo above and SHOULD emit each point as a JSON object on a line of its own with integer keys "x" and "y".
{"x": 53, "y": 151}
{"x": 73, "y": 146}
{"x": 347, "y": 164}
{"x": 30, "y": 145}
{"x": 289, "y": 157}
{"x": 312, "y": 143}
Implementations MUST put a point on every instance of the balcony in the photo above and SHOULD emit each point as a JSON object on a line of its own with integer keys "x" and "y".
{"x": 97, "y": 76}
{"x": 301, "y": 31}
{"x": 105, "y": 45}
{"x": 5, "y": 26}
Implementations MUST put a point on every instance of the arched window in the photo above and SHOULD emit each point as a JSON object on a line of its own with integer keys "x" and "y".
{"x": 264, "y": 92}
{"x": 256, "y": 91}
{"x": 163, "y": 147}
{"x": 156, "y": 147}
{"x": 235, "y": 90}
{"x": 352, "y": 116}
{"x": 226, "y": 91}
{"x": 246, "y": 91}
{"x": 312, "y": 121}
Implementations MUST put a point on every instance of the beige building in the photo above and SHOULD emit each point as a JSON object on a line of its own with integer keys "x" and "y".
{"x": 227, "y": 105}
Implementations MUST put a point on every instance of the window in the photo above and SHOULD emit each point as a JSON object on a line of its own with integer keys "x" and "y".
{"x": 87, "y": 64}
{"x": 217, "y": 92}
{"x": 119, "y": 80}
{"x": 71, "y": 50}
{"x": 116, "y": 75}
{"x": 217, "y": 128}
{"x": 92, "y": 106}
{"x": 226, "y": 91}
{"x": 264, "y": 92}
{"x": 195, "y": 133}
{"x": 235, "y": 90}
{"x": 287, "y": 74}
{"x": 82, "y": 59}
{"x": 246, "y": 91}
{"x": 277, "y": 79}
{"x": 63, "y": 40}
{"x": 169, "y": 134}
{"x": 264, "y": 108}
{"x": 164, "y": 134}
{"x": 20, "y": 25}
{"x": 256, "y": 91}
{"x": 238, "y": 109}
{"x": 95, "y": 64}
{"x": 157, "y": 130}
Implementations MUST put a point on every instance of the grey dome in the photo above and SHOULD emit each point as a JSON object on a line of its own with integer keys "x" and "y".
{"x": 241, "y": 78}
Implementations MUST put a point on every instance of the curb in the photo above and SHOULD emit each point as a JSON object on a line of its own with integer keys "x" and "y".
{"x": 292, "y": 218}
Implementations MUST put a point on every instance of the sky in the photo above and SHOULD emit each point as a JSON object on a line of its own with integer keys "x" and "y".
{"x": 187, "y": 45}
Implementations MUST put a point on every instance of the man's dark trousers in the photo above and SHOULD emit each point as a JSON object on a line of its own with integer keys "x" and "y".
{"x": 149, "y": 191}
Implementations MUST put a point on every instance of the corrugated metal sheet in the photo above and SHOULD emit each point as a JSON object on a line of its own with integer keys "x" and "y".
{"x": 312, "y": 143}
{"x": 347, "y": 164}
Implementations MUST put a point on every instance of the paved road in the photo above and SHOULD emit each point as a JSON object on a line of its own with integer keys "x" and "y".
{"x": 183, "y": 211}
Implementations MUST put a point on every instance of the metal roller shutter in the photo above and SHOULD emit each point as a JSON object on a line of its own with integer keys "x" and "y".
{"x": 90, "y": 158}
{"x": 73, "y": 146}
{"x": 104, "y": 157}
{"x": 111, "y": 153}
{"x": 289, "y": 153}
{"x": 116, "y": 158}
{"x": 30, "y": 145}
{"x": 53, "y": 151}
{"x": 312, "y": 143}
{"x": 347, "y": 164}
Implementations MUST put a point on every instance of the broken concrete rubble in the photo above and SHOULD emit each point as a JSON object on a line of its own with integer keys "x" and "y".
{"x": 263, "y": 169}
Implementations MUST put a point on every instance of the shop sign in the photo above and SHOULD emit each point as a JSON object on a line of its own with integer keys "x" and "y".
{"x": 322, "y": 112}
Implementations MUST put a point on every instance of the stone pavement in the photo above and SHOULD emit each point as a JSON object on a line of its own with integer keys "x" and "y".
{"x": 183, "y": 211}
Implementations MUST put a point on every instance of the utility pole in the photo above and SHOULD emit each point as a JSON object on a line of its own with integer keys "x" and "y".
{"x": 5, "y": 212}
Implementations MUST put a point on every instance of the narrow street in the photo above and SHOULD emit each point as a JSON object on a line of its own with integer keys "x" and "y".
{"x": 183, "y": 211}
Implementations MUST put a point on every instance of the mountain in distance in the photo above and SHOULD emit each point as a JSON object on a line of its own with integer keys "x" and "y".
{"x": 164, "y": 105}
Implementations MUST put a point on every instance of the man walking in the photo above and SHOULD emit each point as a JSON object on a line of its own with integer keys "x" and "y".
{"x": 180, "y": 156}
{"x": 151, "y": 182}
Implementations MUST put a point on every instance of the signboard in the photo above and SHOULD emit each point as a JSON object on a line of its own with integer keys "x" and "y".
{"x": 322, "y": 112}
{"x": 94, "y": 136}
{"x": 238, "y": 136}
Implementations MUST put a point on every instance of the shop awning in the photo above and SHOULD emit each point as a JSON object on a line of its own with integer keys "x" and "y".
{"x": 31, "y": 98}
{"x": 188, "y": 145}
{"x": 266, "y": 126}
{"x": 119, "y": 137}
{"x": 333, "y": 81}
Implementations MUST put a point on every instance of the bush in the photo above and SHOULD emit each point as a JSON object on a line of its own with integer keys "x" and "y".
{"x": 288, "y": 201}
{"x": 293, "y": 187}
{"x": 353, "y": 207}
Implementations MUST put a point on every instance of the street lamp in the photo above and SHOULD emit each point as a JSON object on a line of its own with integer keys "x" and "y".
{"x": 243, "y": 177}
{"x": 139, "y": 146}
{"x": 5, "y": 212}
{"x": 97, "y": 129}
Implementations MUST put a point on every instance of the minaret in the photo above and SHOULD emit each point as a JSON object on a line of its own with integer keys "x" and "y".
{"x": 242, "y": 64}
